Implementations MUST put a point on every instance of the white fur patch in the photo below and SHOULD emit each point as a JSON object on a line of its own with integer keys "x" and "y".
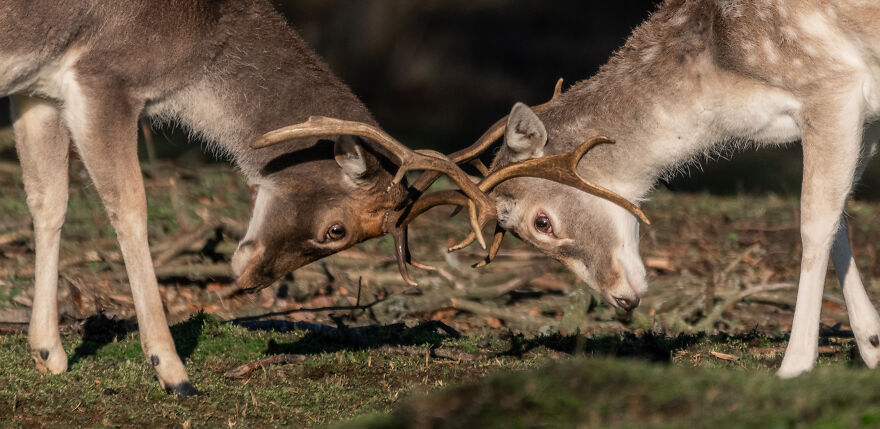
{"x": 202, "y": 110}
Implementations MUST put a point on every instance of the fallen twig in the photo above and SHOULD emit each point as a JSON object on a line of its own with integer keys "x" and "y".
{"x": 732, "y": 298}
{"x": 180, "y": 243}
{"x": 501, "y": 313}
{"x": 769, "y": 352}
{"x": 243, "y": 370}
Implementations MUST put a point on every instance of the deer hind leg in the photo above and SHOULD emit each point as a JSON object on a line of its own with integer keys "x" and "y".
{"x": 104, "y": 130}
{"x": 42, "y": 143}
{"x": 832, "y": 131}
{"x": 863, "y": 316}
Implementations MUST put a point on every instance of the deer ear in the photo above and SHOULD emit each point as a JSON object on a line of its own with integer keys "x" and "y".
{"x": 352, "y": 158}
{"x": 525, "y": 134}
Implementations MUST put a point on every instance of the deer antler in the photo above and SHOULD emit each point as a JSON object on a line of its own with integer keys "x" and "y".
{"x": 560, "y": 168}
{"x": 409, "y": 159}
{"x": 470, "y": 153}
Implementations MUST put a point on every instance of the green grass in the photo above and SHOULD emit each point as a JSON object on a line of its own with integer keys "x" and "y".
{"x": 603, "y": 392}
{"x": 109, "y": 382}
{"x": 624, "y": 380}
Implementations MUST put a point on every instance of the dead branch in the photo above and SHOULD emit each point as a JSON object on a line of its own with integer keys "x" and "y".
{"x": 18, "y": 235}
{"x": 501, "y": 313}
{"x": 522, "y": 279}
{"x": 243, "y": 370}
{"x": 182, "y": 242}
{"x": 729, "y": 299}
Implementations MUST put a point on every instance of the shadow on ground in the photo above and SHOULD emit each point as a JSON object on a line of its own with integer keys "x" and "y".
{"x": 98, "y": 331}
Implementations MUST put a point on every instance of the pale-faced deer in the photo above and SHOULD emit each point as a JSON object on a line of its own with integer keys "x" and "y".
{"x": 228, "y": 71}
{"x": 698, "y": 75}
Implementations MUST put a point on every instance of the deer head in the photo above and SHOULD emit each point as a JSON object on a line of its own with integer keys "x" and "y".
{"x": 586, "y": 227}
{"x": 334, "y": 194}
{"x": 594, "y": 234}
{"x": 314, "y": 202}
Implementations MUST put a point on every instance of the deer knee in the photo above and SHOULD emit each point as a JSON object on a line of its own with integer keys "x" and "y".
{"x": 47, "y": 211}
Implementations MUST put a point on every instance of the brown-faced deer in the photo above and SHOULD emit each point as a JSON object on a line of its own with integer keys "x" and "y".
{"x": 228, "y": 71}
{"x": 699, "y": 75}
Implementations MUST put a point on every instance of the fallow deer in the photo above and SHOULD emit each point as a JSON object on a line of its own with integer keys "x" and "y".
{"x": 229, "y": 71}
{"x": 697, "y": 77}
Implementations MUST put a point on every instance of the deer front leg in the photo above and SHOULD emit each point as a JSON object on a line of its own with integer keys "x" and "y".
{"x": 832, "y": 129}
{"x": 42, "y": 143}
{"x": 104, "y": 130}
{"x": 863, "y": 315}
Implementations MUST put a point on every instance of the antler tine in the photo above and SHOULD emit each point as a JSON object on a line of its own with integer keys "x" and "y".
{"x": 409, "y": 159}
{"x": 482, "y": 144}
{"x": 470, "y": 155}
{"x": 401, "y": 252}
{"x": 497, "y": 238}
{"x": 562, "y": 168}
{"x": 400, "y": 229}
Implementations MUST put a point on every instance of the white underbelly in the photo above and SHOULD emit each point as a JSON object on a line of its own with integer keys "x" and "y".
{"x": 765, "y": 116}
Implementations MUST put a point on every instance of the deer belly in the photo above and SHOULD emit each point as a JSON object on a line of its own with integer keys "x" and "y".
{"x": 769, "y": 117}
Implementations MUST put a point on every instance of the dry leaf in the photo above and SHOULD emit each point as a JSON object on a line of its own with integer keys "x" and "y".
{"x": 493, "y": 322}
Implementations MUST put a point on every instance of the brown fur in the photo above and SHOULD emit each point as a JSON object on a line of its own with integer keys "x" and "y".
{"x": 226, "y": 70}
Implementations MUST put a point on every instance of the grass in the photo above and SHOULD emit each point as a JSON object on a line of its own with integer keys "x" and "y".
{"x": 613, "y": 380}
{"x": 655, "y": 369}
{"x": 632, "y": 393}
{"x": 110, "y": 384}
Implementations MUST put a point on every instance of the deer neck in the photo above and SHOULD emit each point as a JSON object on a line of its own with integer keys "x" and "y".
{"x": 666, "y": 102}
{"x": 654, "y": 130}
{"x": 260, "y": 76}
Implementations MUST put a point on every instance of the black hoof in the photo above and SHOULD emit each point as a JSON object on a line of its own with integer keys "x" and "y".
{"x": 44, "y": 354}
{"x": 154, "y": 360}
{"x": 875, "y": 340}
{"x": 184, "y": 390}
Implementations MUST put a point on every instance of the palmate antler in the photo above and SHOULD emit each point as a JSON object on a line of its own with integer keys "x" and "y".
{"x": 469, "y": 155}
{"x": 561, "y": 168}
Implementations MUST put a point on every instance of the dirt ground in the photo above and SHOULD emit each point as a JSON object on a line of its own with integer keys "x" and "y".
{"x": 716, "y": 265}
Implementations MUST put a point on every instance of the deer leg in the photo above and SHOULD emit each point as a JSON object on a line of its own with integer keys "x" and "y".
{"x": 104, "y": 130}
{"x": 42, "y": 143}
{"x": 831, "y": 139}
{"x": 863, "y": 315}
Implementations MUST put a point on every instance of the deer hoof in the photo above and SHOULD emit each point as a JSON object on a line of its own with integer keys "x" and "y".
{"x": 875, "y": 340}
{"x": 52, "y": 361}
{"x": 184, "y": 390}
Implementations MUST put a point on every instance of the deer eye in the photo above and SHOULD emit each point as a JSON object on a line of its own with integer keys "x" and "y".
{"x": 543, "y": 224}
{"x": 335, "y": 232}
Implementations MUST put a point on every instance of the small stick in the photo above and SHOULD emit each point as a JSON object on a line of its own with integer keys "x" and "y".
{"x": 243, "y": 370}
{"x": 182, "y": 242}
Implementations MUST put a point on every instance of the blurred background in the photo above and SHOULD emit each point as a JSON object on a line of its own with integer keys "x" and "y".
{"x": 437, "y": 73}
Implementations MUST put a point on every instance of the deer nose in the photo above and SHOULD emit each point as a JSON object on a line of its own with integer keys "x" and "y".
{"x": 628, "y": 304}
